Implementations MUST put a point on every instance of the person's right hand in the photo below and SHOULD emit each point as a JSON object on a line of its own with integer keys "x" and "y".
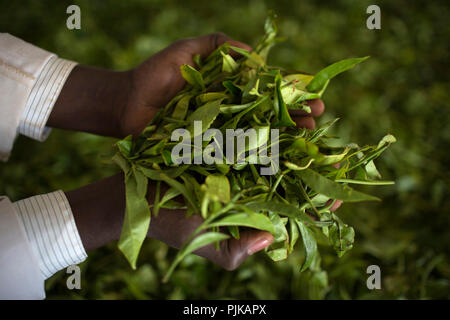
{"x": 173, "y": 228}
{"x": 99, "y": 210}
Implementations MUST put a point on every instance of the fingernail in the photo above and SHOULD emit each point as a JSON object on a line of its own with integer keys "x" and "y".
{"x": 257, "y": 246}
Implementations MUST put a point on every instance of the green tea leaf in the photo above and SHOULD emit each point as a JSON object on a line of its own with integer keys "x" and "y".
{"x": 156, "y": 149}
{"x": 299, "y": 80}
{"x": 252, "y": 220}
{"x": 255, "y": 60}
{"x": 234, "y": 108}
{"x": 332, "y": 189}
{"x": 282, "y": 209}
{"x": 141, "y": 182}
{"x": 302, "y": 145}
{"x": 310, "y": 244}
{"x": 284, "y": 117}
{"x": 182, "y": 189}
{"x": 136, "y": 222}
{"x": 156, "y": 202}
{"x": 241, "y": 51}
{"x": 255, "y": 90}
{"x": 324, "y": 160}
{"x": 156, "y": 174}
{"x": 372, "y": 171}
{"x": 170, "y": 194}
{"x": 296, "y": 167}
{"x": 181, "y": 108}
{"x": 293, "y": 234}
{"x": 278, "y": 254}
{"x": 209, "y": 96}
{"x": 121, "y": 162}
{"x": 125, "y": 145}
{"x": 229, "y": 65}
{"x": 324, "y": 75}
{"x": 322, "y": 130}
{"x": 280, "y": 234}
{"x": 367, "y": 182}
{"x": 206, "y": 114}
{"x": 218, "y": 188}
{"x": 198, "y": 242}
{"x": 341, "y": 236}
{"x": 192, "y": 76}
{"x": 234, "y": 231}
{"x": 291, "y": 95}
{"x": 232, "y": 88}
{"x": 387, "y": 139}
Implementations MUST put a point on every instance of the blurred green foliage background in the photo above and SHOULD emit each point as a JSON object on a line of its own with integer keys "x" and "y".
{"x": 403, "y": 89}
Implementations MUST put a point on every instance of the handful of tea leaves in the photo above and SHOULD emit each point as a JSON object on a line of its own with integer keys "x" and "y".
{"x": 292, "y": 203}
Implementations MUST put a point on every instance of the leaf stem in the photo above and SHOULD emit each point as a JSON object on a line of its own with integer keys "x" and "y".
{"x": 309, "y": 200}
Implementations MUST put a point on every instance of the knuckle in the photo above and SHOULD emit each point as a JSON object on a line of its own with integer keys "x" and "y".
{"x": 216, "y": 35}
{"x": 230, "y": 266}
{"x": 217, "y": 38}
{"x": 181, "y": 42}
{"x": 227, "y": 258}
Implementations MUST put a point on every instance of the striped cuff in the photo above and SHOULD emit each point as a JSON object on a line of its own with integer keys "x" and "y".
{"x": 51, "y": 230}
{"x": 42, "y": 98}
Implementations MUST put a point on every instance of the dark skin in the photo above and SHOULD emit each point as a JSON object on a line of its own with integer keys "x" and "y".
{"x": 117, "y": 104}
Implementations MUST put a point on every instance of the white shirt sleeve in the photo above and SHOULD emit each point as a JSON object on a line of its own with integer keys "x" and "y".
{"x": 42, "y": 98}
{"x": 50, "y": 229}
{"x": 38, "y": 235}
{"x": 20, "y": 277}
{"x": 30, "y": 82}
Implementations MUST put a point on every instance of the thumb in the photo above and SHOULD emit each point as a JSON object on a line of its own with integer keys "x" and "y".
{"x": 206, "y": 44}
{"x": 250, "y": 242}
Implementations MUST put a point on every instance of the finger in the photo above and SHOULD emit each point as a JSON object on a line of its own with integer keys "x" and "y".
{"x": 336, "y": 205}
{"x": 317, "y": 108}
{"x": 220, "y": 38}
{"x": 238, "y": 44}
{"x": 205, "y": 45}
{"x": 173, "y": 228}
{"x": 305, "y": 122}
{"x": 237, "y": 250}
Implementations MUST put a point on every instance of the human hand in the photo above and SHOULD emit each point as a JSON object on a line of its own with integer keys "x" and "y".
{"x": 156, "y": 81}
{"x": 99, "y": 208}
{"x": 117, "y": 104}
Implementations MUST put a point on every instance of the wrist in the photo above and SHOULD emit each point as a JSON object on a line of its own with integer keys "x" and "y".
{"x": 98, "y": 210}
{"x": 92, "y": 100}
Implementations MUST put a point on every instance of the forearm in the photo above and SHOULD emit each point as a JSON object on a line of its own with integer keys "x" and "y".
{"x": 99, "y": 208}
{"x": 91, "y": 100}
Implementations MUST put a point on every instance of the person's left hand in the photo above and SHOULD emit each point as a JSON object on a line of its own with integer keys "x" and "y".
{"x": 156, "y": 81}
{"x": 117, "y": 104}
